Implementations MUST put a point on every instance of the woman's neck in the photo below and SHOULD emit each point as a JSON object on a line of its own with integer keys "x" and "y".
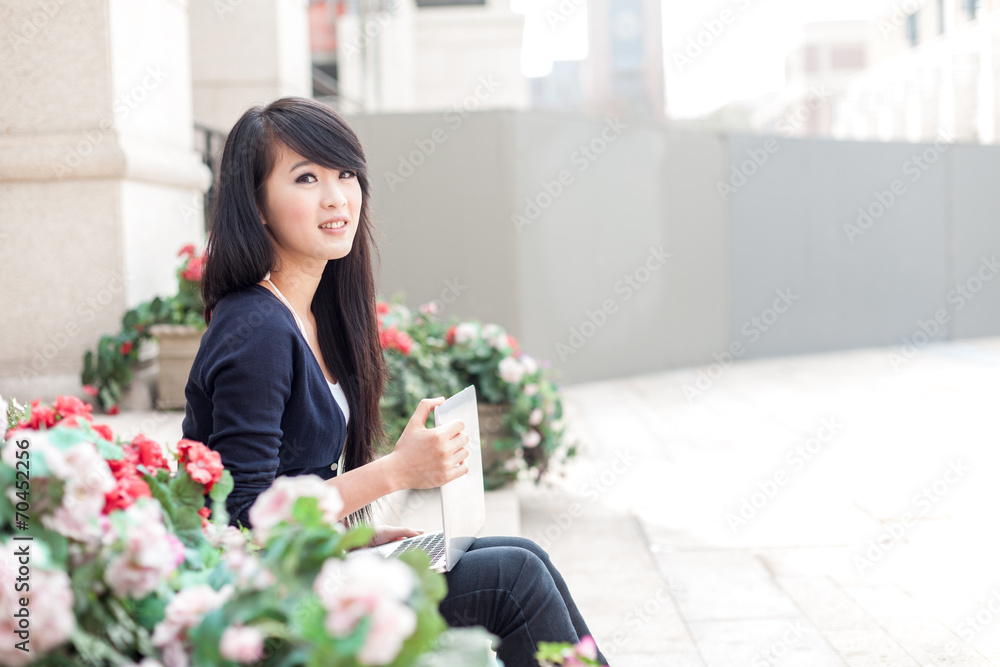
{"x": 298, "y": 284}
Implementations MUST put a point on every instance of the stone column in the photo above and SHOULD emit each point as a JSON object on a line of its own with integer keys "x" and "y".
{"x": 99, "y": 183}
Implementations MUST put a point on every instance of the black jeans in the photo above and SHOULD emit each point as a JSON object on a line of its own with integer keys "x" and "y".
{"x": 509, "y": 586}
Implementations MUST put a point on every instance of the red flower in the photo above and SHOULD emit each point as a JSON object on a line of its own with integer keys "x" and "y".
{"x": 394, "y": 339}
{"x": 450, "y": 337}
{"x": 204, "y": 512}
{"x": 192, "y": 271}
{"x": 513, "y": 343}
{"x": 90, "y": 390}
{"x": 113, "y": 410}
{"x": 129, "y": 488}
{"x": 105, "y": 432}
{"x": 125, "y": 348}
{"x": 67, "y": 406}
{"x": 382, "y": 308}
{"x": 203, "y": 464}
{"x": 150, "y": 453}
{"x": 187, "y": 250}
{"x": 41, "y": 414}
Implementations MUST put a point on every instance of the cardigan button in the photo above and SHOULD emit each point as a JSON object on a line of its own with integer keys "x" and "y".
{"x": 334, "y": 466}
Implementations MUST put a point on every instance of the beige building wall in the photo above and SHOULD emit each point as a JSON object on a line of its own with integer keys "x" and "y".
{"x": 96, "y": 173}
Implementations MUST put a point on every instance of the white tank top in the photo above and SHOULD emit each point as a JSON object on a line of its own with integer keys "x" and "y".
{"x": 335, "y": 388}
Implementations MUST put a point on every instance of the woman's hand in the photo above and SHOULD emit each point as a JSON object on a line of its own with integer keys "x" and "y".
{"x": 425, "y": 458}
{"x": 385, "y": 534}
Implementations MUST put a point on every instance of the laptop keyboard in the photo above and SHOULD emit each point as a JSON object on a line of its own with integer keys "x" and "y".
{"x": 433, "y": 544}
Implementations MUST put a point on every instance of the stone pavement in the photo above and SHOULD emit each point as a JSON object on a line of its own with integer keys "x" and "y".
{"x": 834, "y": 509}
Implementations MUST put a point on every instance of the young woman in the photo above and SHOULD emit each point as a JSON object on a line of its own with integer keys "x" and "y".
{"x": 290, "y": 370}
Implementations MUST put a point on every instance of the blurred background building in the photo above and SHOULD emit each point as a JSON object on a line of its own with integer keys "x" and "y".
{"x": 532, "y": 141}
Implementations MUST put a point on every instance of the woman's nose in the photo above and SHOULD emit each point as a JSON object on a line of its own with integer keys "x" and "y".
{"x": 333, "y": 194}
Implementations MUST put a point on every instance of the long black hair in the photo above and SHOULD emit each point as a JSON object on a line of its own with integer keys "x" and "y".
{"x": 240, "y": 252}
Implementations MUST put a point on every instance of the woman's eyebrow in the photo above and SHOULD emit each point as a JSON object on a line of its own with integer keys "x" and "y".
{"x": 299, "y": 164}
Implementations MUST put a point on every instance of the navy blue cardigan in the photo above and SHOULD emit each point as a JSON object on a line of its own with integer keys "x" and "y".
{"x": 257, "y": 395}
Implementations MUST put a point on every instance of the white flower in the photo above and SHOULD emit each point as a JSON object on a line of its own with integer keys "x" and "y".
{"x": 275, "y": 505}
{"x": 530, "y": 389}
{"x": 531, "y": 438}
{"x": 511, "y": 370}
{"x": 536, "y": 416}
{"x": 530, "y": 365}
{"x": 242, "y": 644}
{"x": 465, "y": 332}
{"x": 363, "y": 585}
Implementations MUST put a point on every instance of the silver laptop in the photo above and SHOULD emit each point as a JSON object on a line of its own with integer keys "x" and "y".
{"x": 463, "y": 502}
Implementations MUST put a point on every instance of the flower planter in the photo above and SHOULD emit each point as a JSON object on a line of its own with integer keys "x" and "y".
{"x": 141, "y": 394}
{"x": 178, "y": 347}
{"x": 491, "y": 429}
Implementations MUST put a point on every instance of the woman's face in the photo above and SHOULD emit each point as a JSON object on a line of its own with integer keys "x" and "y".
{"x": 305, "y": 205}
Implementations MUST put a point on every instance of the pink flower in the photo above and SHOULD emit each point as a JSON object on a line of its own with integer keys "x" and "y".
{"x": 366, "y": 585}
{"x": 430, "y": 308}
{"x": 275, "y": 505}
{"x": 536, "y": 417}
{"x": 87, "y": 483}
{"x": 186, "y": 610}
{"x": 50, "y": 603}
{"x": 242, "y": 644}
{"x": 587, "y": 647}
{"x": 531, "y": 438}
{"x": 149, "y": 555}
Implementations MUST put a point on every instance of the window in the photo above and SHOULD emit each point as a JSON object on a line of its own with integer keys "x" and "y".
{"x": 940, "y": 13}
{"x": 972, "y": 8}
{"x": 847, "y": 57}
{"x": 911, "y": 29}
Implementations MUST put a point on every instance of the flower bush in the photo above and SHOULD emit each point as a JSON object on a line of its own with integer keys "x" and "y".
{"x": 108, "y": 372}
{"x": 581, "y": 654}
{"x": 124, "y": 562}
{"x": 428, "y": 357}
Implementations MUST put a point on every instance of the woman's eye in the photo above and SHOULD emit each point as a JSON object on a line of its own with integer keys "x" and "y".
{"x": 299, "y": 179}
{"x": 350, "y": 174}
